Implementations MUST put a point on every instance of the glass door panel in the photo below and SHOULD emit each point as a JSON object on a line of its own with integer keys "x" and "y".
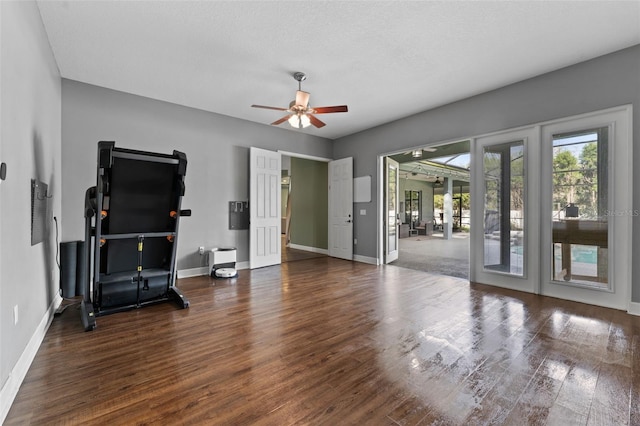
{"x": 391, "y": 210}
{"x": 504, "y": 216}
{"x": 413, "y": 205}
{"x": 586, "y": 201}
{"x": 579, "y": 202}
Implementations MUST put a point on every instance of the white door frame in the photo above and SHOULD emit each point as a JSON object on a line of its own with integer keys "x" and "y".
{"x": 620, "y": 204}
{"x": 529, "y": 280}
{"x": 390, "y": 255}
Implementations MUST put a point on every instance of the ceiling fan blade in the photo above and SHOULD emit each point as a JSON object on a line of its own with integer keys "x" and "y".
{"x": 269, "y": 107}
{"x": 281, "y": 120}
{"x": 329, "y": 109}
{"x": 302, "y": 98}
{"x": 430, "y": 149}
{"x": 315, "y": 121}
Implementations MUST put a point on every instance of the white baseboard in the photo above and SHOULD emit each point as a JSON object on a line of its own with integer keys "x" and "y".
{"x": 634, "y": 308}
{"x": 365, "y": 259}
{"x": 193, "y": 272}
{"x": 204, "y": 270}
{"x": 10, "y": 389}
{"x": 311, "y": 249}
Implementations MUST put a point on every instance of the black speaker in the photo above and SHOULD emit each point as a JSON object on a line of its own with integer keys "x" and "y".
{"x": 68, "y": 268}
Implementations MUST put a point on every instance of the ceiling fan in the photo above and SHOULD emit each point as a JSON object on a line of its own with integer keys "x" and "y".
{"x": 417, "y": 153}
{"x": 300, "y": 114}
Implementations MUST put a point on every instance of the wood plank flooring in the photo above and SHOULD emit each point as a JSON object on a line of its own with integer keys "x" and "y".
{"x": 329, "y": 342}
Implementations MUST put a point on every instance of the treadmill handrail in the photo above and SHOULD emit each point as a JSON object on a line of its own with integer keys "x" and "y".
{"x": 136, "y": 235}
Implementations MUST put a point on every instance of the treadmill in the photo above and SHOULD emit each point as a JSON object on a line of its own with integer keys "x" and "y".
{"x": 131, "y": 231}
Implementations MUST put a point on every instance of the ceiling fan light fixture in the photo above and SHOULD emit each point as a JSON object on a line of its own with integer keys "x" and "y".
{"x": 299, "y": 121}
{"x": 300, "y": 113}
{"x": 416, "y": 153}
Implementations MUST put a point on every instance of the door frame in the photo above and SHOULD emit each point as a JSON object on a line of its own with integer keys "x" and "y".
{"x": 620, "y": 192}
{"x": 387, "y": 255}
{"x": 382, "y": 211}
{"x": 312, "y": 158}
{"x": 529, "y": 281}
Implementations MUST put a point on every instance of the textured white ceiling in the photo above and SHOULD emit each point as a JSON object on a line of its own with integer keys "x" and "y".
{"x": 385, "y": 60}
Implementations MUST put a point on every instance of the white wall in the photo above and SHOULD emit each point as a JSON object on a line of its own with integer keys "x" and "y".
{"x": 217, "y": 149}
{"x": 30, "y": 129}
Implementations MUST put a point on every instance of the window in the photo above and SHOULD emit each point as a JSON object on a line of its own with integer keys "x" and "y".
{"x": 579, "y": 206}
{"x": 504, "y": 208}
{"x": 413, "y": 207}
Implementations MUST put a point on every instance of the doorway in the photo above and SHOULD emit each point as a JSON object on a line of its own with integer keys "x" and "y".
{"x": 434, "y": 215}
{"x": 304, "y": 201}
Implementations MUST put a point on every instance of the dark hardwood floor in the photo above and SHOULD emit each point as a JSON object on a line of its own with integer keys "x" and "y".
{"x": 330, "y": 342}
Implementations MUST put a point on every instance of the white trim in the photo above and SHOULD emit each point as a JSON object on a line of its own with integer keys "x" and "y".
{"x": 388, "y": 254}
{"x": 528, "y": 281}
{"x": 311, "y": 249}
{"x": 16, "y": 377}
{"x": 365, "y": 259}
{"x": 634, "y": 308}
{"x": 193, "y": 272}
{"x": 428, "y": 145}
{"x": 619, "y": 122}
{"x": 305, "y": 156}
{"x": 204, "y": 270}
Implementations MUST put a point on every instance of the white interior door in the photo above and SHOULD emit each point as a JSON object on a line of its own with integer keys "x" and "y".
{"x": 264, "y": 208}
{"x": 587, "y": 208}
{"x": 341, "y": 208}
{"x": 391, "y": 168}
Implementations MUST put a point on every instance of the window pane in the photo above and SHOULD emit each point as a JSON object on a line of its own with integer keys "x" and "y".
{"x": 392, "y": 177}
{"x": 580, "y": 225}
{"x": 504, "y": 208}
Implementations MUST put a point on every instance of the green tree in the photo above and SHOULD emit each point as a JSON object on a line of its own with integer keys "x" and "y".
{"x": 587, "y": 191}
{"x": 517, "y": 177}
{"x": 565, "y": 177}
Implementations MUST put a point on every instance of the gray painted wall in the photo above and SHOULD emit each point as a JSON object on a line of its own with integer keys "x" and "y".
{"x": 30, "y": 145}
{"x": 217, "y": 149}
{"x": 604, "y": 82}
